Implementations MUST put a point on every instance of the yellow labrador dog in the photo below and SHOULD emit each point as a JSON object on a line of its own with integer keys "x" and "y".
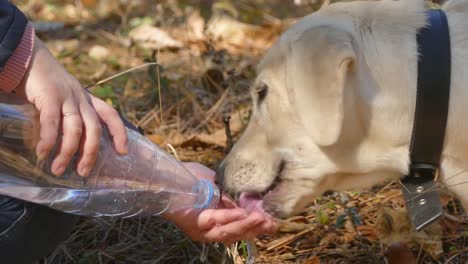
{"x": 334, "y": 104}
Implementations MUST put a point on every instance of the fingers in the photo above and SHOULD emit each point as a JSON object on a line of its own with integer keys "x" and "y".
{"x": 80, "y": 123}
{"x": 113, "y": 121}
{"x": 265, "y": 227}
{"x": 269, "y": 227}
{"x": 72, "y": 127}
{"x": 212, "y": 217}
{"x": 227, "y": 202}
{"x": 49, "y": 120}
{"x": 91, "y": 137}
{"x": 237, "y": 230}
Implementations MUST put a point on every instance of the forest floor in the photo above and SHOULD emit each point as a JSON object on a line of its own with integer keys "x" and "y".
{"x": 206, "y": 53}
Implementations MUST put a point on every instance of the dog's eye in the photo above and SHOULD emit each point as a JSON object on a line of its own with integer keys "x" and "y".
{"x": 262, "y": 91}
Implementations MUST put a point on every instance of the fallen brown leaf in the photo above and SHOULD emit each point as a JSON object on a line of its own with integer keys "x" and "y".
{"x": 313, "y": 260}
{"x": 152, "y": 37}
{"x": 232, "y": 33}
{"x": 98, "y": 52}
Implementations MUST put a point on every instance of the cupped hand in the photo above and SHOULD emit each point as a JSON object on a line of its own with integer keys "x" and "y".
{"x": 226, "y": 224}
{"x": 66, "y": 108}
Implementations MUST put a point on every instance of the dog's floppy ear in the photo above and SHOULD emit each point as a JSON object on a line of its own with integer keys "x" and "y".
{"x": 318, "y": 71}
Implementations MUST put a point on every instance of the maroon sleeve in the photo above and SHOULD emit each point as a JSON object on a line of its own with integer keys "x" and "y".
{"x": 18, "y": 62}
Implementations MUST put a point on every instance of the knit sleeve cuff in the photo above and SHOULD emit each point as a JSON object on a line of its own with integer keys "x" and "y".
{"x": 18, "y": 63}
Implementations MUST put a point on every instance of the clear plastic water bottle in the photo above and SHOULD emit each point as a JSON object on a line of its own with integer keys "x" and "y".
{"x": 146, "y": 181}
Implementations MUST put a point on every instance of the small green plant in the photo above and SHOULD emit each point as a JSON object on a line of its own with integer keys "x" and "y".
{"x": 322, "y": 217}
{"x": 103, "y": 91}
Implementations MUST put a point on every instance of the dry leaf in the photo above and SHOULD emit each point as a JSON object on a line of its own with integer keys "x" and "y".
{"x": 152, "y": 37}
{"x": 348, "y": 237}
{"x": 313, "y": 260}
{"x": 157, "y": 139}
{"x": 195, "y": 26}
{"x": 291, "y": 227}
{"x": 330, "y": 238}
{"x": 58, "y": 46}
{"x": 229, "y": 31}
{"x": 98, "y": 52}
{"x": 89, "y": 3}
{"x": 368, "y": 231}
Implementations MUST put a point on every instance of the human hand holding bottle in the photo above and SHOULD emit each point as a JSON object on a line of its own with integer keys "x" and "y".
{"x": 65, "y": 107}
{"x": 227, "y": 224}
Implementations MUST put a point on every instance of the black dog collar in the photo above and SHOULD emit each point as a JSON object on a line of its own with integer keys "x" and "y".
{"x": 430, "y": 120}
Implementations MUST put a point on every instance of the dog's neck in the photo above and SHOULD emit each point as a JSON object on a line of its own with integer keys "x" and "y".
{"x": 388, "y": 100}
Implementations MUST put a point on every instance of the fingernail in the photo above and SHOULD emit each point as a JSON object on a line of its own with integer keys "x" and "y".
{"x": 59, "y": 170}
{"x": 41, "y": 155}
{"x": 258, "y": 221}
{"x": 125, "y": 151}
{"x": 84, "y": 171}
{"x": 126, "y": 148}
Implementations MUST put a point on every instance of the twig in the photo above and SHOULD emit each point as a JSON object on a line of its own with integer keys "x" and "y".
{"x": 173, "y": 151}
{"x": 159, "y": 85}
{"x": 213, "y": 110}
{"x": 229, "y": 141}
{"x": 287, "y": 239}
{"x": 119, "y": 74}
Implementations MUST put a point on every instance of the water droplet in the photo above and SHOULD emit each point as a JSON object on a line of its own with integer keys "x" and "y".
{"x": 216, "y": 245}
{"x": 224, "y": 256}
{"x": 251, "y": 252}
{"x": 204, "y": 254}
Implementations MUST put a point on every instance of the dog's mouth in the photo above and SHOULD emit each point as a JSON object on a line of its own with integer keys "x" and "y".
{"x": 255, "y": 201}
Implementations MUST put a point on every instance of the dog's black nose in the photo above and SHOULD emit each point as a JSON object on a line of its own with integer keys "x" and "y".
{"x": 219, "y": 177}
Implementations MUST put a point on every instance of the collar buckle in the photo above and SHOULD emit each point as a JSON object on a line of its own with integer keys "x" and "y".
{"x": 421, "y": 195}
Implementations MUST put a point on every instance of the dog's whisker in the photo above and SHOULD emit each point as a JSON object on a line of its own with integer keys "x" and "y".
{"x": 438, "y": 188}
{"x": 441, "y": 187}
{"x": 447, "y": 179}
{"x": 451, "y": 185}
{"x": 455, "y": 175}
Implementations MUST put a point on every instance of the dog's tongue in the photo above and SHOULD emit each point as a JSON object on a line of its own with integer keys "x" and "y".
{"x": 251, "y": 202}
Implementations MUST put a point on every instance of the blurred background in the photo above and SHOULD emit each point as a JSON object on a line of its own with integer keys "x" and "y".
{"x": 206, "y": 52}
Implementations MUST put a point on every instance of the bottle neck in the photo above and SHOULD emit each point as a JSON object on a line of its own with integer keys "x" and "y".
{"x": 208, "y": 195}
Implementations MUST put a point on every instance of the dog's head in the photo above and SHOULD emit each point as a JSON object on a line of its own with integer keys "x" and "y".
{"x": 321, "y": 119}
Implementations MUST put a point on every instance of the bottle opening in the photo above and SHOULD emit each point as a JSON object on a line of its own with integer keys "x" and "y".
{"x": 208, "y": 195}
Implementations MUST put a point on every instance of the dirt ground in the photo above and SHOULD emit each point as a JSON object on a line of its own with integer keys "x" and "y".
{"x": 206, "y": 53}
